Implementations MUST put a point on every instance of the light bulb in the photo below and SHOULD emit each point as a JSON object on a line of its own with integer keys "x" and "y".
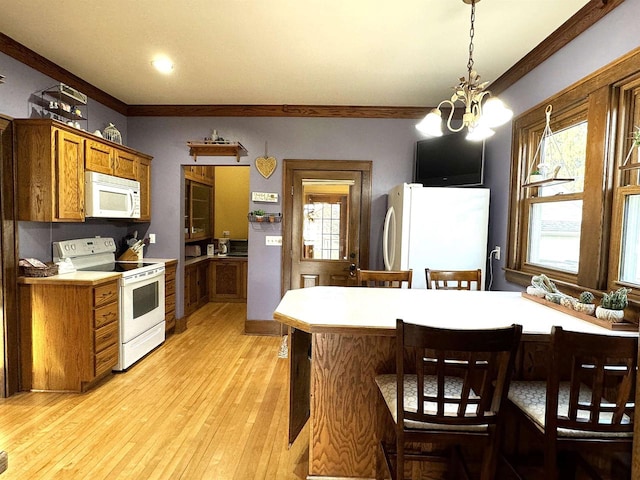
{"x": 163, "y": 65}
{"x": 431, "y": 124}
{"x": 495, "y": 113}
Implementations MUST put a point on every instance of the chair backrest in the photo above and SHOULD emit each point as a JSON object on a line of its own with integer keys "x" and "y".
{"x": 468, "y": 372}
{"x": 453, "y": 279}
{"x": 384, "y": 278}
{"x": 601, "y": 388}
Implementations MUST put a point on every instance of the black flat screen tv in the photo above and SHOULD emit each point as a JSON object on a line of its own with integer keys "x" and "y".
{"x": 450, "y": 160}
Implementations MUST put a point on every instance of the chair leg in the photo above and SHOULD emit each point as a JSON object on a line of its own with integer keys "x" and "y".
{"x": 490, "y": 457}
{"x": 550, "y": 460}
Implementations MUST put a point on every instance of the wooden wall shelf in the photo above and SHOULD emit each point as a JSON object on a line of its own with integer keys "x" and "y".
{"x": 547, "y": 182}
{"x": 216, "y": 149}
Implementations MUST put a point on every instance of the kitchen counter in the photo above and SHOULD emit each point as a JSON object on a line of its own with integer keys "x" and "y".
{"x": 75, "y": 278}
{"x": 202, "y": 258}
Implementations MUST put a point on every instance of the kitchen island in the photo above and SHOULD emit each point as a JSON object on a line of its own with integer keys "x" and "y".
{"x": 341, "y": 337}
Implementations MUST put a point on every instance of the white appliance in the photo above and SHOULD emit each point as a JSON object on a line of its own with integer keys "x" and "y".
{"x": 141, "y": 293}
{"x": 111, "y": 197}
{"x": 435, "y": 227}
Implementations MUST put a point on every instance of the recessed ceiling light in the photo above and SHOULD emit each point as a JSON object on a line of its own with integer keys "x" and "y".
{"x": 163, "y": 64}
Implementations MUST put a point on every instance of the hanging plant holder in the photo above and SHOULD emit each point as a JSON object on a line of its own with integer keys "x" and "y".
{"x": 535, "y": 177}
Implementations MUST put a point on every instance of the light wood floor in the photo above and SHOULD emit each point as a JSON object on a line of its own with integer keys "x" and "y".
{"x": 211, "y": 403}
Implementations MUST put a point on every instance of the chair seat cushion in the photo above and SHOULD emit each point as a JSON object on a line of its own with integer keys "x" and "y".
{"x": 453, "y": 386}
{"x": 530, "y": 397}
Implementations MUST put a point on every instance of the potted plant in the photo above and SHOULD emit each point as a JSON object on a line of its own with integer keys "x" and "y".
{"x": 612, "y": 306}
{"x": 536, "y": 176}
{"x": 259, "y": 215}
{"x": 585, "y": 303}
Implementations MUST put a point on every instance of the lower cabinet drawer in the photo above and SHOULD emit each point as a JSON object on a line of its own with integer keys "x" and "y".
{"x": 106, "y": 336}
{"x": 106, "y": 359}
{"x": 105, "y": 315}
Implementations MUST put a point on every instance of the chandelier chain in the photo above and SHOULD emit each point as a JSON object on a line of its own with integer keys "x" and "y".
{"x": 471, "y": 35}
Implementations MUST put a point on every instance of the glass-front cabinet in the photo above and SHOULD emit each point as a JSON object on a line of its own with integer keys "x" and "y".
{"x": 198, "y": 210}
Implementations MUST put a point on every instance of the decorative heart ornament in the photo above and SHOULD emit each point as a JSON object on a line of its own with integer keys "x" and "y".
{"x": 266, "y": 165}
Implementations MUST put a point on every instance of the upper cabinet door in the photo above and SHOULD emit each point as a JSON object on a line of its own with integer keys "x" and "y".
{"x": 143, "y": 168}
{"x": 99, "y": 157}
{"x": 70, "y": 176}
{"x": 125, "y": 165}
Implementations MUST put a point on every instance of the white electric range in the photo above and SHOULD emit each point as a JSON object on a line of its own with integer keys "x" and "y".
{"x": 141, "y": 293}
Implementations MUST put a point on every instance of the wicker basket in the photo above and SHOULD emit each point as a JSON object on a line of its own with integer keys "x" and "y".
{"x": 49, "y": 270}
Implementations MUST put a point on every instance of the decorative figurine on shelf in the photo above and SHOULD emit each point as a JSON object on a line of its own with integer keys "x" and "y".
{"x": 112, "y": 133}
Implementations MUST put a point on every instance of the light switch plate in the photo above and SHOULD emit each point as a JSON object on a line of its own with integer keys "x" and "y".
{"x": 264, "y": 197}
{"x": 273, "y": 240}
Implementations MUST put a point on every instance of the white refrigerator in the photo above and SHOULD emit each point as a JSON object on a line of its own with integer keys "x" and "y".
{"x": 441, "y": 228}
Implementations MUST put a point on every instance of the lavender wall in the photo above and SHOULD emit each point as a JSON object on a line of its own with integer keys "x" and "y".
{"x": 612, "y": 37}
{"x": 388, "y": 143}
{"x": 35, "y": 237}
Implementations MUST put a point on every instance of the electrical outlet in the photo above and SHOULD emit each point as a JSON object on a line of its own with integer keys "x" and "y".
{"x": 225, "y": 233}
{"x": 152, "y": 238}
{"x": 497, "y": 251}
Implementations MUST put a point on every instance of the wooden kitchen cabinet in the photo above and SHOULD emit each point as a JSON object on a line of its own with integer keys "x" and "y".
{"x": 50, "y": 171}
{"x": 228, "y": 279}
{"x": 198, "y": 211}
{"x": 196, "y": 286}
{"x": 105, "y": 158}
{"x": 51, "y": 160}
{"x": 200, "y": 173}
{"x": 170, "y": 295}
{"x": 69, "y": 332}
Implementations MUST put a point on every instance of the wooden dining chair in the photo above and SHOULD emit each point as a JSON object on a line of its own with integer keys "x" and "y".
{"x": 451, "y": 388}
{"x": 587, "y": 402}
{"x": 384, "y": 278}
{"x": 453, "y": 279}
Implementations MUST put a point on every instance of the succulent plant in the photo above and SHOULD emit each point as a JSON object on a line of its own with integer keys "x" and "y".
{"x": 259, "y": 213}
{"x": 615, "y": 300}
{"x": 586, "y": 297}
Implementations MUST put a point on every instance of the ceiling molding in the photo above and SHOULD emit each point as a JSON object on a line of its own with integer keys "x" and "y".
{"x": 588, "y": 15}
{"x": 333, "y": 111}
{"x": 578, "y": 23}
{"x": 36, "y": 61}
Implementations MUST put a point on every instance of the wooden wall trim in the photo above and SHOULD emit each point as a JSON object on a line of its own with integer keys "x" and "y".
{"x": 36, "y": 61}
{"x": 574, "y": 26}
{"x": 263, "y": 327}
{"x": 591, "y": 13}
{"x": 335, "y": 111}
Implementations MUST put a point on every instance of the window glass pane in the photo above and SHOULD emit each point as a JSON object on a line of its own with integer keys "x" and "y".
{"x": 554, "y": 235}
{"x": 565, "y": 149}
{"x": 325, "y": 219}
{"x": 630, "y": 261}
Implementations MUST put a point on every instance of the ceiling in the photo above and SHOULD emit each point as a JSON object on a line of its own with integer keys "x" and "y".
{"x": 281, "y": 52}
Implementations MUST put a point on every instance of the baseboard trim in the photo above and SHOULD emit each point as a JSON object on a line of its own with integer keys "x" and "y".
{"x": 263, "y": 327}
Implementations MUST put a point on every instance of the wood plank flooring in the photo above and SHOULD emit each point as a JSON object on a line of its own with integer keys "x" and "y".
{"x": 211, "y": 403}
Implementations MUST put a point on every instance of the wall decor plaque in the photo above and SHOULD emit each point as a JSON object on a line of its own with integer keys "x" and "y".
{"x": 266, "y": 165}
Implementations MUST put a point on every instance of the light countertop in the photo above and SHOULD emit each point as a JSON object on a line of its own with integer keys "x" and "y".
{"x": 362, "y": 310}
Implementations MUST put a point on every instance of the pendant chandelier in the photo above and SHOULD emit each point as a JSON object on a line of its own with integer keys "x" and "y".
{"x": 479, "y": 118}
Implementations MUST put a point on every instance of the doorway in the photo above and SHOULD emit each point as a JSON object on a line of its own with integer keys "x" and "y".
{"x": 326, "y": 221}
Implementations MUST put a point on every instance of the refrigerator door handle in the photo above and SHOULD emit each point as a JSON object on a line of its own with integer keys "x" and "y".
{"x": 389, "y": 239}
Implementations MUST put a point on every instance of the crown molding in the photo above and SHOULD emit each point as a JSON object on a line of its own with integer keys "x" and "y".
{"x": 584, "y": 18}
{"x": 333, "y": 111}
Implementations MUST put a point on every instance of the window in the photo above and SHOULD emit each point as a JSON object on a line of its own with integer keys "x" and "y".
{"x": 552, "y": 211}
{"x": 585, "y": 233}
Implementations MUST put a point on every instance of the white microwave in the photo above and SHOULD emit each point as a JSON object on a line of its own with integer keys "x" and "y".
{"x": 107, "y": 196}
